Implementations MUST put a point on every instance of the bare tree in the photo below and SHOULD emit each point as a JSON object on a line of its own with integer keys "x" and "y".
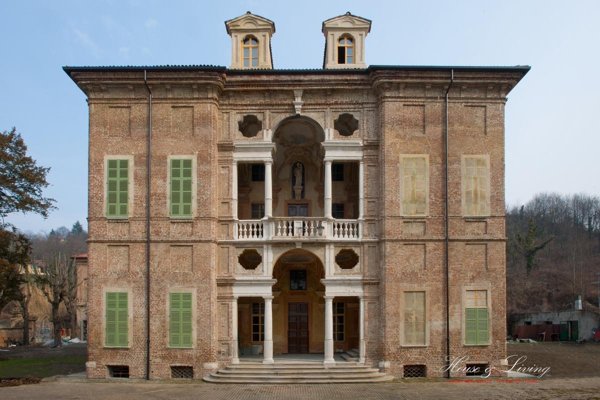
{"x": 53, "y": 283}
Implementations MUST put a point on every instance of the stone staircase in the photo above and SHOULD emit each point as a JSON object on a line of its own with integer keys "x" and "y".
{"x": 350, "y": 355}
{"x": 297, "y": 372}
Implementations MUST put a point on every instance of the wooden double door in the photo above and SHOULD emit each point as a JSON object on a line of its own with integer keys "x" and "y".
{"x": 297, "y": 328}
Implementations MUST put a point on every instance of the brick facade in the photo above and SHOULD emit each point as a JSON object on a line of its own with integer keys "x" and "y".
{"x": 196, "y": 112}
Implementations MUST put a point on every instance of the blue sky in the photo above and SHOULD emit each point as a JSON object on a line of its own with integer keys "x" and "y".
{"x": 552, "y": 135}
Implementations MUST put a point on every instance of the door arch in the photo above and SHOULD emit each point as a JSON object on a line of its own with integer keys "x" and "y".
{"x": 298, "y": 305}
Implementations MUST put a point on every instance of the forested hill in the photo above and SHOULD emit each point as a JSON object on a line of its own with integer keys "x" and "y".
{"x": 553, "y": 253}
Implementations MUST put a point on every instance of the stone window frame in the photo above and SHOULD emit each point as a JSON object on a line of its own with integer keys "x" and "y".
{"x": 118, "y": 289}
{"x": 194, "y": 185}
{"x": 167, "y": 337}
{"x": 464, "y": 180}
{"x": 487, "y": 289}
{"x": 427, "y": 184}
{"x": 342, "y": 45}
{"x": 130, "y": 186}
{"x": 403, "y": 340}
{"x": 251, "y": 46}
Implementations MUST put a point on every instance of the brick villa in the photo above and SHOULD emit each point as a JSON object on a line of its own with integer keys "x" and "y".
{"x": 242, "y": 216}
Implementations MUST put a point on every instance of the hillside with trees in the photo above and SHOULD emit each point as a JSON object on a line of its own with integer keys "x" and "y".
{"x": 553, "y": 253}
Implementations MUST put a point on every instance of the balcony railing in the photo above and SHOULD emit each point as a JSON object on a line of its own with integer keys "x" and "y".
{"x": 298, "y": 228}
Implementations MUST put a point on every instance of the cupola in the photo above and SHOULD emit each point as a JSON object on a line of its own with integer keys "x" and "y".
{"x": 250, "y": 41}
{"x": 345, "y": 41}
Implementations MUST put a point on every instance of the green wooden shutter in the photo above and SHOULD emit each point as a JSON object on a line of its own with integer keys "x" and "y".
{"x": 471, "y": 326}
{"x": 476, "y": 326}
{"x": 482, "y": 326}
{"x": 117, "y": 315}
{"x": 180, "y": 320}
{"x": 117, "y": 196}
{"x": 181, "y": 188}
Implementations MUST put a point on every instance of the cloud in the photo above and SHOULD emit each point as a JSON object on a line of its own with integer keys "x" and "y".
{"x": 86, "y": 42}
{"x": 151, "y": 23}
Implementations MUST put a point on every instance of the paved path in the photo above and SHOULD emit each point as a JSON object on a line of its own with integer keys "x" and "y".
{"x": 72, "y": 389}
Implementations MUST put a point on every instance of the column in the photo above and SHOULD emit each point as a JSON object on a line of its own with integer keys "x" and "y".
{"x": 234, "y": 327}
{"x": 268, "y": 342}
{"x": 361, "y": 190}
{"x": 234, "y": 191}
{"x": 268, "y": 190}
{"x": 361, "y": 332}
{"x": 327, "y": 202}
{"x": 328, "y": 331}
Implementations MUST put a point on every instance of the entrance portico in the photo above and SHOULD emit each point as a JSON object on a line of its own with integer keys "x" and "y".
{"x": 298, "y": 311}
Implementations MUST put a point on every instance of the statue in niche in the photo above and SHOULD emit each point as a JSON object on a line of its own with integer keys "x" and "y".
{"x": 298, "y": 180}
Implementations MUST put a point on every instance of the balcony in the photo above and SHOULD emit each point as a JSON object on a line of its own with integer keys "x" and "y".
{"x": 298, "y": 229}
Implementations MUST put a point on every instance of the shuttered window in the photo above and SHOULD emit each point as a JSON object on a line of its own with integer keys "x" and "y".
{"x": 476, "y": 318}
{"x": 181, "y": 188}
{"x": 180, "y": 320}
{"x": 415, "y": 184}
{"x": 414, "y": 319}
{"x": 476, "y": 186}
{"x": 117, "y": 316}
{"x": 117, "y": 190}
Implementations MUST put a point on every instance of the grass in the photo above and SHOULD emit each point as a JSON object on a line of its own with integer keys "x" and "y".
{"x": 42, "y": 367}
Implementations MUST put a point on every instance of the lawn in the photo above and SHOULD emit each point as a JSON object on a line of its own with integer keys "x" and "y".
{"x": 41, "y": 362}
{"x": 42, "y": 367}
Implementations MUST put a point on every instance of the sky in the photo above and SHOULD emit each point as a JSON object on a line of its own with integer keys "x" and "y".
{"x": 552, "y": 134}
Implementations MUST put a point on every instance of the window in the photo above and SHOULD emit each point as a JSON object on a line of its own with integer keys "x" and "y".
{"x": 476, "y": 317}
{"x": 414, "y": 185}
{"x": 258, "y": 322}
{"x": 414, "y": 318}
{"x": 181, "y": 188}
{"x": 346, "y": 50}
{"x": 117, "y": 320}
{"x": 117, "y": 190}
{"x": 477, "y": 369}
{"x": 118, "y": 371}
{"x": 258, "y": 210}
{"x": 298, "y": 279}
{"x": 337, "y": 172}
{"x": 182, "y": 372}
{"x": 338, "y": 322}
{"x": 475, "y": 185}
{"x": 258, "y": 172}
{"x": 180, "y": 320}
{"x": 337, "y": 210}
{"x": 250, "y": 51}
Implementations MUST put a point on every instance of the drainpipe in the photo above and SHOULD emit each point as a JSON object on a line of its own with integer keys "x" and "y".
{"x": 446, "y": 217}
{"x": 148, "y": 182}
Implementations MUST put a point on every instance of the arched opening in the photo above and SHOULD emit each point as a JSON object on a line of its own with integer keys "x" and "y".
{"x": 345, "y": 49}
{"x": 298, "y": 306}
{"x": 298, "y": 168}
{"x": 250, "y": 52}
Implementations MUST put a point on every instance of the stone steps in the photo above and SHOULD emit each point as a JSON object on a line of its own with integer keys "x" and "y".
{"x": 351, "y": 355}
{"x": 285, "y": 373}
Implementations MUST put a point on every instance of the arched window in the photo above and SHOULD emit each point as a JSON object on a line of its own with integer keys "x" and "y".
{"x": 346, "y": 50}
{"x": 250, "y": 52}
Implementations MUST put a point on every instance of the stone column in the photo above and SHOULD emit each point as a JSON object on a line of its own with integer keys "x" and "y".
{"x": 328, "y": 331}
{"x": 268, "y": 342}
{"x": 268, "y": 190}
{"x": 234, "y": 327}
{"x": 361, "y": 332}
{"x": 234, "y": 191}
{"x": 327, "y": 203}
{"x": 361, "y": 190}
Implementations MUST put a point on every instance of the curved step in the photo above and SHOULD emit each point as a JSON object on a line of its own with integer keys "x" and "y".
{"x": 257, "y": 373}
